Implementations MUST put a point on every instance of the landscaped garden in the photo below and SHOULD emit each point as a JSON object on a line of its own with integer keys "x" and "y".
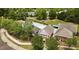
{"x": 23, "y": 31}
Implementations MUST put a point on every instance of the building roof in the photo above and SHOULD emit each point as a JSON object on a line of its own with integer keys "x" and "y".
{"x": 64, "y": 32}
{"x": 48, "y": 31}
{"x": 38, "y": 25}
{"x": 70, "y": 26}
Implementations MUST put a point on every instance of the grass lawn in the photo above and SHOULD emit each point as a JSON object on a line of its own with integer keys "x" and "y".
{"x": 54, "y": 21}
{"x": 29, "y": 47}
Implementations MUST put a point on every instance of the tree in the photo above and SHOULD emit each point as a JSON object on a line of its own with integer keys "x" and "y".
{"x": 18, "y": 13}
{"x": 24, "y": 31}
{"x": 70, "y": 18}
{"x": 20, "y": 31}
{"x": 74, "y": 41}
{"x": 5, "y": 23}
{"x": 73, "y": 15}
{"x": 71, "y": 42}
{"x": 15, "y": 28}
{"x": 41, "y": 14}
{"x": 21, "y": 14}
{"x": 52, "y": 14}
{"x": 62, "y": 15}
{"x": 52, "y": 44}
{"x": 76, "y": 15}
{"x": 37, "y": 42}
{"x": 4, "y": 12}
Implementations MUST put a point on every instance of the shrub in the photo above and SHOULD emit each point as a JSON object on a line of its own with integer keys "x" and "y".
{"x": 62, "y": 15}
{"x": 52, "y": 14}
{"x": 71, "y": 42}
{"x": 37, "y": 42}
{"x": 52, "y": 44}
{"x": 41, "y": 14}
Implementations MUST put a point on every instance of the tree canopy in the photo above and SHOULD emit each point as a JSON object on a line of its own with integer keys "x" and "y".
{"x": 51, "y": 44}
{"x": 41, "y": 14}
{"x": 37, "y": 42}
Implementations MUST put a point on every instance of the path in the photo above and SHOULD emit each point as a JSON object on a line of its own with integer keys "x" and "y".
{"x": 4, "y": 46}
{"x": 9, "y": 43}
{"x": 67, "y": 47}
{"x": 15, "y": 40}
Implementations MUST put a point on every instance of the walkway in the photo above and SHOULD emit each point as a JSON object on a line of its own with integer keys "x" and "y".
{"x": 15, "y": 40}
{"x": 9, "y": 43}
{"x": 4, "y": 46}
{"x": 67, "y": 47}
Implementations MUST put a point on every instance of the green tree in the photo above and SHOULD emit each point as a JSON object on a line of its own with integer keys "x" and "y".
{"x": 73, "y": 15}
{"x": 5, "y": 23}
{"x": 18, "y": 13}
{"x": 62, "y": 15}
{"x": 71, "y": 42}
{"x": 52, "y": 44}
{"x": 27, "y": 28}
{"x": 20, "y": 31}
{"x": 15, "y": 28}
{"x": 70, "y": 18}
{"x": 41, "y": 14}
{"x": 37, "y": 42}
{"x": 74, "y": 41}
{"x": 52, "y": 14}
{"x": 12, "y": 13}
{"x": 4, "y": 12}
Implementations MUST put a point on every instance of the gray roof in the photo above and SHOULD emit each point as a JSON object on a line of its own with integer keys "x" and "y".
{"x": 70, "y": 26}
{"x": 47, "y": 31}
{"x": 64, "y": 32}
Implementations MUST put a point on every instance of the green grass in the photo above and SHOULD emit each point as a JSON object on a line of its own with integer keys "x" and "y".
{"x": 54, "y": 21}
{"x": 47, "y": 22}
{"x": 29, "y": 47}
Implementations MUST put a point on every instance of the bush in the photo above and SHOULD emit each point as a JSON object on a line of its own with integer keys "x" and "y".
{"x": 70, "y": 18}
{"x": 16, "y": 29}
{"x": 52, "y": 44}
{"x": 22, "y": 32}
{"x": 52, "y": 14}
{"x": 62, "y": 15}
{"x": 41, "y": 14}
{"x": 17, "y": 14}
{"x": 37, "y": 42}
{"x": 71, "y": 42}
{"x": 5, "y": 23}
